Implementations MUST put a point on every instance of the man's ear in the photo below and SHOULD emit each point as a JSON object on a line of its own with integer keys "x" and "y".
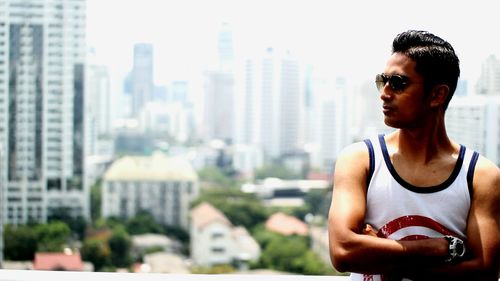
{"x": 438, "y": 95}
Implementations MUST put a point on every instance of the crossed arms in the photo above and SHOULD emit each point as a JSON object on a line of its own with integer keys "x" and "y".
{"x": 355, "y": 248}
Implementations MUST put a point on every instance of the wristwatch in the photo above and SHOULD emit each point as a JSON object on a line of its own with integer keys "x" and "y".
{"x": 456, "y": 249}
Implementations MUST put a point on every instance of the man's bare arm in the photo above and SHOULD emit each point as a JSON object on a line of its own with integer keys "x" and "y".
{"x": 483, "y": 231}
{"x": 350, "y": 249}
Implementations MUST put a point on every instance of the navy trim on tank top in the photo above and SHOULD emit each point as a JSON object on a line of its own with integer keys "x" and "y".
{"x": 417, "y": 189}
{"x": 470, "y": 172}
{"x": 371, "y": 152}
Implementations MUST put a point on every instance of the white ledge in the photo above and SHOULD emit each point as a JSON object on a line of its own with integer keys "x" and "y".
{"x": 36, "y": 275}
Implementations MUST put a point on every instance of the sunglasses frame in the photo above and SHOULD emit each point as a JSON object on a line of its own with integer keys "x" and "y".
{"x": 397, "y": 82}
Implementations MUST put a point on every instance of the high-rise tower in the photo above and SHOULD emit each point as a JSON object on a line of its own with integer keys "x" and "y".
{"x": 269, "y": 114}
{"x": 42, "y": 70}
{"x": 489, "y": 80}
{"x": 142, "y": 77}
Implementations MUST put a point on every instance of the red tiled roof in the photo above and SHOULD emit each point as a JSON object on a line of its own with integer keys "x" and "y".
{"x": 205, "y": 213}
{"x": 319, "y": 176}
{"x": 58, "y": 261}
{"x": 286, "y": 225}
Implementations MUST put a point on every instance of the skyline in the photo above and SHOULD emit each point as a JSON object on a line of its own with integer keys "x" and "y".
{"x": 324, "y": 34}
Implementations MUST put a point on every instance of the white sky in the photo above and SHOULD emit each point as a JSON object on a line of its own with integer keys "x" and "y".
{"x": 350, "y": 37}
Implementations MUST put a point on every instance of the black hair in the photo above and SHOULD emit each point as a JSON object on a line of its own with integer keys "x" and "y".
{"x": 435, "y": 58}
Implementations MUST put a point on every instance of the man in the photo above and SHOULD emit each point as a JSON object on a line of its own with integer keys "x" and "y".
{"x": 414, "y": 204}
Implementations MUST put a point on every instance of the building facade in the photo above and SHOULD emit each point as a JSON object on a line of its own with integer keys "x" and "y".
{"x": 474, "y": 121}
{"x": 268, "y": 103}
{"x": 42, "y": 71}
{"x": 142, "y": 77}
{"x": 489, "y": 79}
{"x": 214, "y": 240}
{"x": 161, "y": 185}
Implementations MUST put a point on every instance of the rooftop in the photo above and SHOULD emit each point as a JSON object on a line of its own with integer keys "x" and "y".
{"x": 204, "y": 214}
{"x": 286, "y": 225}
{"x": 157, "y": 167}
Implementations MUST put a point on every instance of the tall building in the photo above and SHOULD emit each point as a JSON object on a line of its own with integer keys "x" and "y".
{"x": 219, "y": 106}
{"x": 328, "y": 126}
{"x": 142, "y": 77}
{"x": 489, "y": 79}
{"x": 268, "y": 104}
{"x": 42, "y": 70}
{"x": 474, "y": 121}
{"x": 98, "y": 109}
{"x": 225, "y": 47}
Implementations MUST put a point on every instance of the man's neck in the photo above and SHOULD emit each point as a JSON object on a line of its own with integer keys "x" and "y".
{"x": 425, "y": 143}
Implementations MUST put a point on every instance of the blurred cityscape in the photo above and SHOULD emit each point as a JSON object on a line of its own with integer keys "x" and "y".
{"x": 232, "y": 176}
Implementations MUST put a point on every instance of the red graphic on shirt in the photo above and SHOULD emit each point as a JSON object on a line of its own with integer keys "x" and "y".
{"x": 409, "y": 221}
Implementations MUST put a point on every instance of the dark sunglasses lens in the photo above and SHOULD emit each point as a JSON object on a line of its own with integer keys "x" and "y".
{"x": 397, "y": 83}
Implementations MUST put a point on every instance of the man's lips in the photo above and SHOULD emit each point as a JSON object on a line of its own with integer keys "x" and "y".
{"x": 387, "y": 108}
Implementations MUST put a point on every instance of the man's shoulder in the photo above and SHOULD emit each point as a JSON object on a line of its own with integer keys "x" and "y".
{"x": 486, "y": 176}
{"x": 356, "y": 149}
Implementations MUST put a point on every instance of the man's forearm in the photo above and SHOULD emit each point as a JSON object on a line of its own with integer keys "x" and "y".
{"x": 373, "y": 255}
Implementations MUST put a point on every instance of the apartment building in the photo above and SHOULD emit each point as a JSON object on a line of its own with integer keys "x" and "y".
{"x": 42, "y": 66}
{"x": 162, "y": 185}
{"x": 474, "y": 121}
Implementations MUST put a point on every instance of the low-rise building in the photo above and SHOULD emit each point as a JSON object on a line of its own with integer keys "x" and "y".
{"x": 61, "y": 262}
{"x": 286, "y": 225}
{"x": 275, "y": 192}
{"x": 162, "y": 185}
{"x": 144, "y": 243}
{"x": 214, "y": 240}
{"x": 164, "y": 263}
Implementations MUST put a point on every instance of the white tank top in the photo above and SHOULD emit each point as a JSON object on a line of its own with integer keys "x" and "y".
{"x": 399, "y": 210}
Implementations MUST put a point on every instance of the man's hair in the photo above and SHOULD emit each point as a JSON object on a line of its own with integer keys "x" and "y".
{"x": 435, "y": 58}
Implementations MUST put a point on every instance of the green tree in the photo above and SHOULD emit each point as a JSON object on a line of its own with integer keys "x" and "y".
{"x": 97, "y": 252}
{"x": 264, "y": 236}
{"x": 176, "y": 232}
{"x": 239, "y": 207}
{"x": 318, "y": 201}
{"x": 77, "y": 225}
{"x": 215, "y": 177}
{"x": 285, "y": 254}
{"x": 120, "y": 246}
{"x": 20, "y": 243}
{"x": 276, "y": 171}
{"x": 143, "y": 222}
{"x": 53, "y": 236}
{"x": 313, "y": 265}
{"x": 95, "y": 200}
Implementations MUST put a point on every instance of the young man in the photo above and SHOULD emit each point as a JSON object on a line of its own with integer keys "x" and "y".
{"x": 414, "y": 204}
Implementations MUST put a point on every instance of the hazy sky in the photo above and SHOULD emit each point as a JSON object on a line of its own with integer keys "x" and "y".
{"x": 349, "y": 37}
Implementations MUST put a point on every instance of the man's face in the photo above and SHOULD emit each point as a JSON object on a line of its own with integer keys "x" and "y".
{"x": 404, "y": 105}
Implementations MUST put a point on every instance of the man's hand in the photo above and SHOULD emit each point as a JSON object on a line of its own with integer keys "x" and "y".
{"x": 368, "y": 230}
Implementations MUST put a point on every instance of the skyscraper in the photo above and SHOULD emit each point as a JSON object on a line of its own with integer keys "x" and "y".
{"x": 225, "y": 47}
{"x": 142, "y": 77}
{"x": 219, "y": 110}
{"x": 42, "y": 67}
{"x": 489, "y": 80}
{"x": 269, "y": 104}
{"x": 219, "y": 106}
{"x": 98, "y": 109}
{"x": 474, "y": 121}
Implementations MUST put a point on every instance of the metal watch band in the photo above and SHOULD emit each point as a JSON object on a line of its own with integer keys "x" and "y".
{"x": 456, "y": 249}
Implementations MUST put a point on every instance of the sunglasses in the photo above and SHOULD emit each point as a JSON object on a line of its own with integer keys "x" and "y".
{"x": 397, "y": 82}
